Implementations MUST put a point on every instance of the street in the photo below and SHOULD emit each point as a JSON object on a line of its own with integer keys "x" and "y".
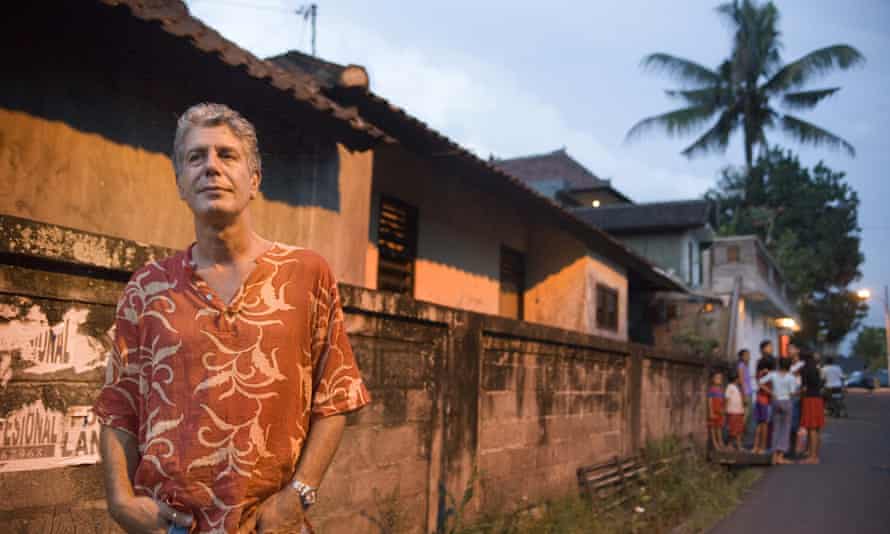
{"x": 849, "y": 492}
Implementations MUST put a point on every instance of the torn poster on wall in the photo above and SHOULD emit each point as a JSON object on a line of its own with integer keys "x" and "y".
{"x": 36, "y": 438}
{"x": 65, "y": 356}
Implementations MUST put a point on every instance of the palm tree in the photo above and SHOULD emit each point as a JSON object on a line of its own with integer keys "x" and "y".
{"x": 740, "y": 91}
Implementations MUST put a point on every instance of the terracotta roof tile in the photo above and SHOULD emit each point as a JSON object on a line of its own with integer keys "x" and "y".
{"x": 174, "y": 18}
{"x": 556, "y": 165}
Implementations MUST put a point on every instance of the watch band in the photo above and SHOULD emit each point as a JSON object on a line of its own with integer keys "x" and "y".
{"x": 308, "y": 494}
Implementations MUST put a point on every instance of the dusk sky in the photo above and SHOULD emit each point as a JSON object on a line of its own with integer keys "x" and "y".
{"x": 512, "y": 78}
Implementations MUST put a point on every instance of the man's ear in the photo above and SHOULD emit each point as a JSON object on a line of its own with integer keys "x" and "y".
{"x": 255, "y": 181}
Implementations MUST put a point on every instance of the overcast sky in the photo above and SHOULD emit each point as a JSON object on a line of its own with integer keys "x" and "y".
{"x": 512, "y": 78}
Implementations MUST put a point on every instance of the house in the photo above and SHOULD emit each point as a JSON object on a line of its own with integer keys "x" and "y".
{"x": 760, "y": 303}
{"x": 735, "y": 297}
{"x": 454, "y": 229}
{"x": 562, "y": 178}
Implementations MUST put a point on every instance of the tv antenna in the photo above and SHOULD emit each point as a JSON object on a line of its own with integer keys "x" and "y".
{"x": 309, "y": 12}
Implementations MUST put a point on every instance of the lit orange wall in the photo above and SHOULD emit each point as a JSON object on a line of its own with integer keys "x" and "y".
{"x": 52, "y": 172}
{"x": 563, "y": 276}
{"x": 460, "y": 231}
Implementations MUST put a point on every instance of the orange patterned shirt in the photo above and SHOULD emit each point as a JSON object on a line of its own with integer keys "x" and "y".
{"x": 220, "y": 396}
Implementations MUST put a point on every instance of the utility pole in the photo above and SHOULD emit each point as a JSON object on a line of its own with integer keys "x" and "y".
{"x": 309, "y": 12}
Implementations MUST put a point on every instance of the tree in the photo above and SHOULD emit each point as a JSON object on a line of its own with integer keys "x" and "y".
{"x": 740, "y": 92}
{"x": 808, "y": 220}
{"x": 871, "y": 345}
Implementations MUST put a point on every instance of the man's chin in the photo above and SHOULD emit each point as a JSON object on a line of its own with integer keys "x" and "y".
{"x": 216, "y": 214}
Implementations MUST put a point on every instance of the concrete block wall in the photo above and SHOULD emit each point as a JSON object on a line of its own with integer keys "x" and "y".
{"x": 545, "y": 409}
{"x": 525, "y": 404}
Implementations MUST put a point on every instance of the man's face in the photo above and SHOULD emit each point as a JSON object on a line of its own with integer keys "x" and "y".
{"x": 794, "y": 351}
{"x": 768, "y": 349}
{"x": 215, "y": 180}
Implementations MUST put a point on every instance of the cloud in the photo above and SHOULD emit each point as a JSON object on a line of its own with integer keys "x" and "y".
{"x": 475, "y": 102}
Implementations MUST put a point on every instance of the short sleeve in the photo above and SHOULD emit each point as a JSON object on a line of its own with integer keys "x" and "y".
{"x": 117, "y": 404}
{"x": 337, "y": 382}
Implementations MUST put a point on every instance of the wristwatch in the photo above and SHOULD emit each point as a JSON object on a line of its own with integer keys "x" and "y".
{"x": 308, "y": 494}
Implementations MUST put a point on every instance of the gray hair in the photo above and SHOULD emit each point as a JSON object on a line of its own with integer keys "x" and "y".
{"x": 209, "y": 115}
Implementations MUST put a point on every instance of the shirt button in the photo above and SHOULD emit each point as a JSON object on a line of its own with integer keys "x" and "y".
{"x": 208, "y": 297}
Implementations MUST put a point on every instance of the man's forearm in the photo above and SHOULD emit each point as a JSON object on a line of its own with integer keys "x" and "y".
{"x": 120, "y": 456}
{"x": 321, "y": 444}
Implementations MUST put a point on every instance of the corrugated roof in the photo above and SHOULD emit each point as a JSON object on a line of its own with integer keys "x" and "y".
{"x": 655, "y": 217}
{"x": 175, "y": 19}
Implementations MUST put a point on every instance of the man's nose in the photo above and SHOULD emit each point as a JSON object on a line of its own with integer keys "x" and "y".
{"x": 211, "y": 164}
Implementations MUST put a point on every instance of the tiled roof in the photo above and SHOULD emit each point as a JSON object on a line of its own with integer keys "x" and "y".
{"x": 556, "y": 165}
{"x": 174, "y": 18}
{"x": 420, "y": 138}
{"x": 654, "y": 217}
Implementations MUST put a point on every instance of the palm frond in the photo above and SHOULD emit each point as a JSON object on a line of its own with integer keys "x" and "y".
{"x": 708, "y": 96}
{"x": 677, "y": 122}
{"x": 807, "y": 99}
{"x": 809, "y": 133}
{"x": 717, "y": 137}
{"x": 815, "y": 63}
{"x": 681, "y": 69}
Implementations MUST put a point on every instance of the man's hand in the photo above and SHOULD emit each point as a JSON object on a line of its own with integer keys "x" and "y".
{"x": 282, "y": 513}
{"x": 144, "y": 515}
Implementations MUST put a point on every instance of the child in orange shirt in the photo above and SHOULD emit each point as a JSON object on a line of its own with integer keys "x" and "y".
{"x": 715, "y": 411}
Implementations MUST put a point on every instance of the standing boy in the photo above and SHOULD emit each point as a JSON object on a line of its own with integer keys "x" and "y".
{"x": 735, "y": 410}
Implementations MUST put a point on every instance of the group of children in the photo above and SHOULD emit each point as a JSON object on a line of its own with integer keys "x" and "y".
{"x": 784, "y": 403}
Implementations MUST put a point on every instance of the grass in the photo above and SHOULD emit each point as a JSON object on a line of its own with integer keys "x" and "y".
{"x": 690, "y": 497}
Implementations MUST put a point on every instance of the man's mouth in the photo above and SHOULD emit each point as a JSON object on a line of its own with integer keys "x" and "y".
{"x": 212, "y": 189}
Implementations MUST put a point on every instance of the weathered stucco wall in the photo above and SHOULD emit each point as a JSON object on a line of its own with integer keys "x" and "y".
{"x": 562, "y": 279}
{"x": 55, "y": 173}
{"x": 458, "y": 256}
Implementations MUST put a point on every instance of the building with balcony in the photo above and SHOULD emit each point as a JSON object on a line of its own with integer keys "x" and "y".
{"x": 760, "y": 305}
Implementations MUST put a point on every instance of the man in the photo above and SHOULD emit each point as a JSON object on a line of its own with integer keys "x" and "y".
{"x": 231, "y": 372}
{"x": 833, "y": 375}
{"x": 763, "y": 409}
{"x": 766, "y": 361}
{"x": 797, "y": 365}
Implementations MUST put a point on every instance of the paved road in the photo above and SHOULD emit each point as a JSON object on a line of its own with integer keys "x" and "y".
{"x": 849, "y": 492}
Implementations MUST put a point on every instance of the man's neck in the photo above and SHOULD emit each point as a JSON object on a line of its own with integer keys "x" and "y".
{"x": 226, "y": 244}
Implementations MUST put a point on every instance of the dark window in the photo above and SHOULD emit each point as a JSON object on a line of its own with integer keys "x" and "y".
{"x": 690, "y": 251}
{"x": 512, "y": 282}
{"x": 606, "y": 308}
{"x": 732, "y": 254}
{"x": 397, "y": 244}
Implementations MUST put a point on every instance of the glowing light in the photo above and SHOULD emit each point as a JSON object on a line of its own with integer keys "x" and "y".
{"x": 787, "y": 323}
{"x": 595, "y": 203}
{"x": 863, "y": 294}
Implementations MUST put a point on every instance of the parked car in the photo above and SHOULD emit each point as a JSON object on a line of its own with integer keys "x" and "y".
{"x": 870, "y": 379}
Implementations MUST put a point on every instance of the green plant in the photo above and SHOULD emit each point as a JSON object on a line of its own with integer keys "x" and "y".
{"x": 451, "y": 514}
